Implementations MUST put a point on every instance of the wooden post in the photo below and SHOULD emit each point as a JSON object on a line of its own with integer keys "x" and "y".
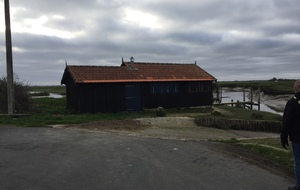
{"x": 244, "y": 98}
{"x": 9, "y": 61}
{"x": 221, "y": 94}
{"x": 218, "y": 93}
{"x": 251, "y": 98}
{"x": 258, "y": 100}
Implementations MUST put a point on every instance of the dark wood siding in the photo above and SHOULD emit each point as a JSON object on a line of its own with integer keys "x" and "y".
{"x": 111, "y": 97}
{"x": 71, "y": 95}
{"x": 108, "y": 97}
{"x": 199, "y": 95}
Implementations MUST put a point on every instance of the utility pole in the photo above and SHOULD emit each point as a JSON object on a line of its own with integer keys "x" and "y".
{"x": 9, "y": 61}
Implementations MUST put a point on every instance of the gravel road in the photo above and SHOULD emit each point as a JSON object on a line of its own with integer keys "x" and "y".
{"x": 63, "y": 158}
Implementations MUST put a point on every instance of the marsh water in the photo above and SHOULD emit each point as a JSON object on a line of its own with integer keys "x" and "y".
{"x": 234, "y": 96}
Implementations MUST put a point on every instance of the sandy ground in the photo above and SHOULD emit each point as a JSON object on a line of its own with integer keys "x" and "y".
{"x": 179, "y": 128}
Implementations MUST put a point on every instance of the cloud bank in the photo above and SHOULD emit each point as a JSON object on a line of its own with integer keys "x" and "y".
{"x": 232, "y": 40}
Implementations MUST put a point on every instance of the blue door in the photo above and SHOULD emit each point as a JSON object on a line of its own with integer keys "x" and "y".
{"x": 132, "y": 95}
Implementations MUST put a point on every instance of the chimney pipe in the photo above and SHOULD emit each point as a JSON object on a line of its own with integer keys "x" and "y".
{"x": 132, "y": 63}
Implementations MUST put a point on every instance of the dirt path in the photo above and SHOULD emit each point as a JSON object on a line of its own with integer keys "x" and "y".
{"x": 178, "y": 128}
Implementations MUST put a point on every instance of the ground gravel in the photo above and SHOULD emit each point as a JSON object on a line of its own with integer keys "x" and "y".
{"x": 177, "y": 128}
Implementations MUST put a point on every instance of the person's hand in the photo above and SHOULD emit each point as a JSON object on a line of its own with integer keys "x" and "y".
{"x": 284, "y": 143}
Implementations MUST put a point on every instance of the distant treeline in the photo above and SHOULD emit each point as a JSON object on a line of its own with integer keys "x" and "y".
{"x": 271, "y": 87}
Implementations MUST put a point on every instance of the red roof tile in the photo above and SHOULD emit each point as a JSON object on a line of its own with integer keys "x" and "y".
{"x": 141, "y": 72}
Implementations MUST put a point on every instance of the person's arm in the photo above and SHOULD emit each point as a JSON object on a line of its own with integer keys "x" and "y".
{"x": 286, "y": 124}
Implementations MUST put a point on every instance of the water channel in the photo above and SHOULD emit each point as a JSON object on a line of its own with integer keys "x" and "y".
{"x": 227, "y": 96}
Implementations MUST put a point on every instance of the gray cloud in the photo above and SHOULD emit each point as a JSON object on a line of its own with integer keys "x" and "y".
{"x": 232, "y": 40}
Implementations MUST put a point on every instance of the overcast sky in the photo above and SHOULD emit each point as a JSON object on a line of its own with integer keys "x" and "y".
{"x": 230, "y": 39}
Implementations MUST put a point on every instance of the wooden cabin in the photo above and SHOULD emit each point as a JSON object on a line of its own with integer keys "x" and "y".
{"x": 136, "y": 85}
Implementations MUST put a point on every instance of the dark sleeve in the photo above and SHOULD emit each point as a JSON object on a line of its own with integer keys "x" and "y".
{"x": 287, "y": 120}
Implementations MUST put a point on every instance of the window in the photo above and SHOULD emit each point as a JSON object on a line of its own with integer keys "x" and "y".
{"x": 164, "y": 88}
{"x": 199, "y": 87}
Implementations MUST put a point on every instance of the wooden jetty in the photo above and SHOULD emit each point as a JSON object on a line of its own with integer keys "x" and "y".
{"x": 247, "y": 104}
{"x": 244, "y": 103}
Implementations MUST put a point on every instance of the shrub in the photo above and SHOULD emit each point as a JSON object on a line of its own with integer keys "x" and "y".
{"x": 21, "y": 96}
{"x": 160, "y": 112}
{"x": 216, "y": 113}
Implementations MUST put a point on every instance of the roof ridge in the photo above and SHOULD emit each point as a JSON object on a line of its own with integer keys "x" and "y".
{"x": 145, "y": 72}
{"x": 91, "y": 66}
{"x": 166, "y": 63}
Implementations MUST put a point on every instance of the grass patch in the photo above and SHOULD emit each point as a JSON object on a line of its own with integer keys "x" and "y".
{"x": 269, "y": 148}
{"x": 241, "y": 113}
{"x": 273, "y": 142}
{"x": 51, "y": 111}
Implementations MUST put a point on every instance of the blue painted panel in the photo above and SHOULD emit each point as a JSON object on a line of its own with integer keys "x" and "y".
{"x": 132, "y": 95}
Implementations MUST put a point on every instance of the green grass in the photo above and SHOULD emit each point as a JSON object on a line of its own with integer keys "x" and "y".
{"x": 270, "y": 148}
{"x": 273, "y": 142}
{"x": 51, "y": 111}
{"x": 246, "y": 114}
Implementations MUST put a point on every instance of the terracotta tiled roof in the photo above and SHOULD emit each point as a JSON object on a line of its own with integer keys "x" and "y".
{"x": 140, "y": 72}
